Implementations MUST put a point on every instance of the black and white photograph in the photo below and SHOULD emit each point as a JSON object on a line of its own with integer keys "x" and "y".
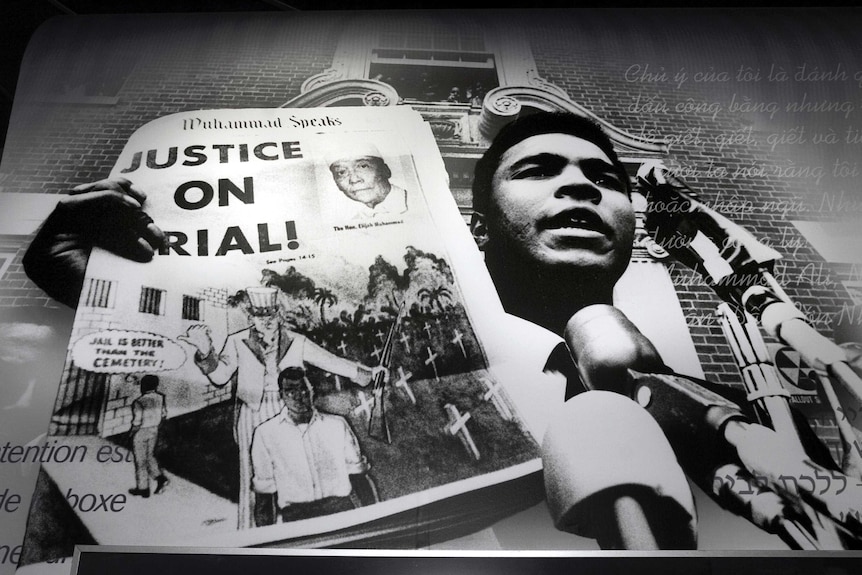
{"x": 499, "y": 280}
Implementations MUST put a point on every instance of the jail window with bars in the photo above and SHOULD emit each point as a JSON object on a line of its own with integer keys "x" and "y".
{"x": 152, "y": 301}
{"x": 99, "y": 293}
{"x": 192, "y": 308}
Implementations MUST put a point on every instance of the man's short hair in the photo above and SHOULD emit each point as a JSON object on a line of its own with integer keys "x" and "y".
{"x": 531, "y": 125}
{"x": 291, "y": 376}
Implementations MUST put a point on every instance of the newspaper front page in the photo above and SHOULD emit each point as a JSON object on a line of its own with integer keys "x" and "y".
{"x": 305, "y": 355}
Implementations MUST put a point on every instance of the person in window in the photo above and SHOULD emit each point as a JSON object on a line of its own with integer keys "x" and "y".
{"x": 476, "y": 95}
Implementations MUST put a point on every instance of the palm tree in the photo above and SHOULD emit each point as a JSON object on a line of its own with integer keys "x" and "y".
{"x": 435, "y": 296}
{"x": 324, "y": 297}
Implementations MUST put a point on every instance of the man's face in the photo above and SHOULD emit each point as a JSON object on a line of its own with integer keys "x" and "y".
{"x": 364, "y": 179}
{"x": 266, "y": 325}
{"x": 557, "y": 201}
{"x": 298, "y": 397}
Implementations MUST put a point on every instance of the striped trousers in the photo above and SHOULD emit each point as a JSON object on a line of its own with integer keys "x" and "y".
{"x": 246, "y": 421}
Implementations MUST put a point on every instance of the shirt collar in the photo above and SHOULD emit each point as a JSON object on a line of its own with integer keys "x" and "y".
{"x": 533, "y": 344}
{"x": 285, "y": 417}
{"x": 394, "y": 203}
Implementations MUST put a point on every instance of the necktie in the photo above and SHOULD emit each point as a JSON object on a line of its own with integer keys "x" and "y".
{"x": 560, "y": 360}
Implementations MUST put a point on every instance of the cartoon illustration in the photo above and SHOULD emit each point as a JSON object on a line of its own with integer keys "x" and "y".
{"x": 256, "y": 355}
{"x": 307, "y": 459}
{"x": 148, "y": 412}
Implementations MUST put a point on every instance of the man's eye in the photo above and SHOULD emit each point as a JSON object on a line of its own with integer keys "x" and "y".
{"x": 535, "y": 171}
{"x": 609, "y": 181}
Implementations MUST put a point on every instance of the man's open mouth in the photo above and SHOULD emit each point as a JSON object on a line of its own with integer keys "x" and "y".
{"x": 577, "y": 219}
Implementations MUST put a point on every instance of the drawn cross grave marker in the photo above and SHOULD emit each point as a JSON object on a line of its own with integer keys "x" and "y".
{"x": 432, "y": 360}
{"x": 343, "y": 348}
{"x": 380, "y": 335}
{"x": 427, "y": 328}
{"x": 457, "y": 427}
{"x": 403, "y": 378}
{"x": 494, "y": 391}
{"x": 458, "y": 340}
{"x": 364, "y": 407}
{"x": 405, "y": 340}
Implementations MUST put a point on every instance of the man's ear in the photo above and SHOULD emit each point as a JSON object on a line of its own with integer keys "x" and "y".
{"x": 479, "y": 230}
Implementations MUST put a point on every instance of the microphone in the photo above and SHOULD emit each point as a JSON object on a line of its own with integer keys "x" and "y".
{"x": 611, "y": 475}
{"x": 611, "y": 354}
{"x": 605, "y": 344}
{"x": 708, "y": 432}
{"x": 725, "y": 254}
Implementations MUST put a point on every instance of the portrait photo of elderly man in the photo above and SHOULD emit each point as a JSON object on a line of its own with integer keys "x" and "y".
{"x": 363, "y": 177}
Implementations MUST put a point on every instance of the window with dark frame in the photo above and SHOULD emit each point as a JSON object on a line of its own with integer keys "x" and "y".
{"x": 448, "y": 63}
{"x": 152, "y": 301}
{"x": 99, "y": 293}
{"x": 192, "y": 308}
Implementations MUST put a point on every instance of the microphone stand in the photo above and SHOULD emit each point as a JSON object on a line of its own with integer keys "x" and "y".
{"x": 771, "y": 401}
{"x": 760, "y": 377}
{"x": 720, "y": 251}
{"x": 776, "y": 311}
{"x": 824, "y": 354}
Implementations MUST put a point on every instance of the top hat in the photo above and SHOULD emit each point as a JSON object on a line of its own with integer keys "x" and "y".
{"x": 262, "y": 300}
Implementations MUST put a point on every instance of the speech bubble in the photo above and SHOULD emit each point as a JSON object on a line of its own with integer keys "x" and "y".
{"x": 126, "y": 351}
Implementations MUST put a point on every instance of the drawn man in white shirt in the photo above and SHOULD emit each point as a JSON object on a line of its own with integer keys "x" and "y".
{"x": 255, "y": 356}
{"x": 307, "y": 459}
